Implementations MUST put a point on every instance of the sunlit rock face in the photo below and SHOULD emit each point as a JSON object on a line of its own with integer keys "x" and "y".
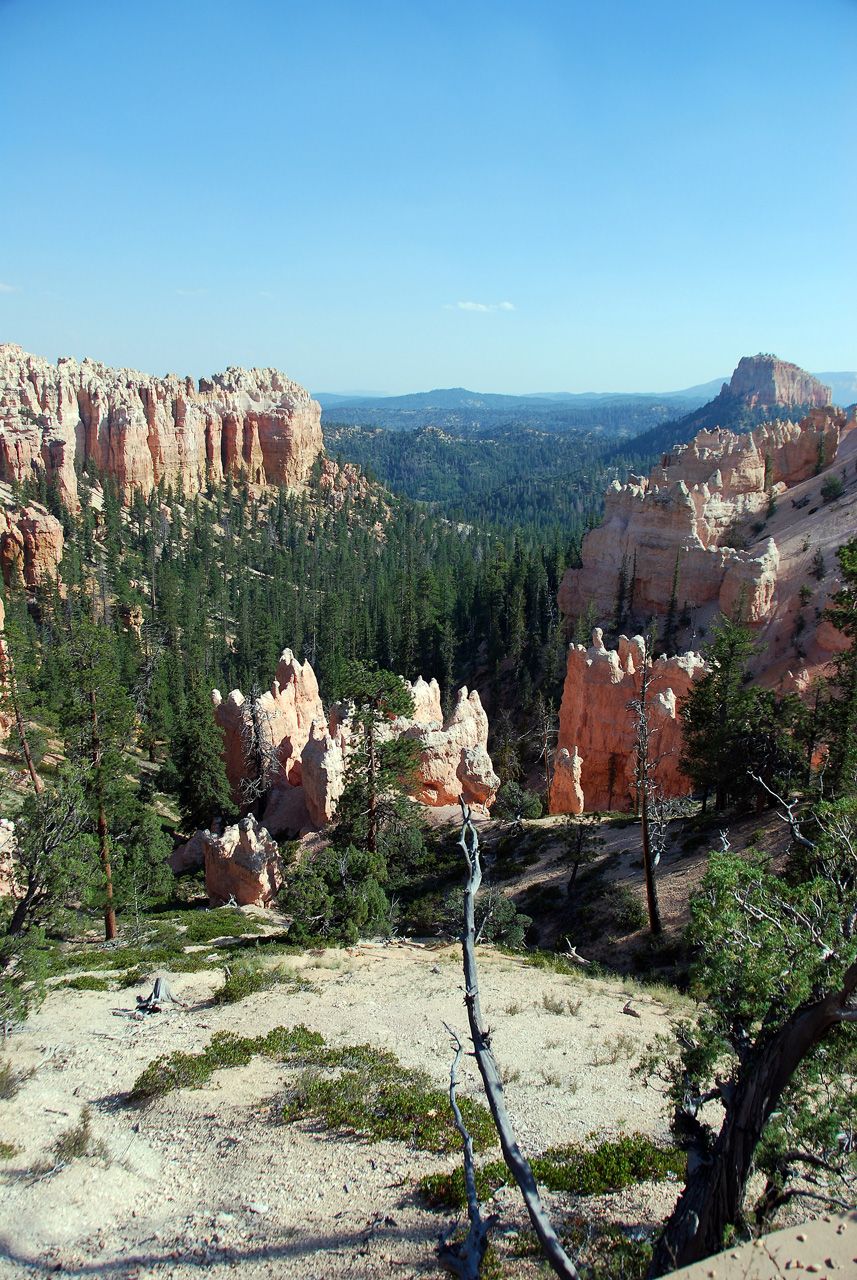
{"x": 671, "y": 531}
{"x": 31, "y": 545}
{"x": 595, "y": 748}
{"x": 140, "y": 429}
{"x": 242, "y": 865}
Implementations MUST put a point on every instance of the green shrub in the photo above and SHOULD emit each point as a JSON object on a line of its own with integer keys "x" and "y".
{"x": 575, "y": 1169}
{"x": 378, "y": 1098}
{"x": 87, "y": 982}
{"x": 11, "y": 1080}
{"x": 78, "y": 1141}
{"x": 181, "y": 1070}
{"x": 247, "y": 979}
{"x": 831, "y": 488}
{"x": 515, "y": 801}
{"x": 8, "y": 1150}
{"x": 356, "y": 1087}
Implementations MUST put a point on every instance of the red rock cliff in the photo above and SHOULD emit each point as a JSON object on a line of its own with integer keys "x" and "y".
{"x": 766, "y": 381}
{"x": 140, "y": 428}
{"x": 595, "y": 749}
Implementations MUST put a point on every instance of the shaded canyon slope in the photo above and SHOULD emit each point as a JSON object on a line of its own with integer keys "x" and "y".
{"x": 140, "y": 429}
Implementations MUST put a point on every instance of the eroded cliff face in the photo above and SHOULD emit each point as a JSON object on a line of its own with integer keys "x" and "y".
{"x": 682, "y": 518}
{"x": 595, "y": 748}
{"x": 287, "y": 712}
{"x": 668, "y": 536}
{"x": 31, "y": 544}
{"x": 765, "y": 381}
{"x": 140, "y": 429}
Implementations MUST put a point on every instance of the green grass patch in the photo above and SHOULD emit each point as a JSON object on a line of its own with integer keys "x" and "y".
{"x": 356, "y": 1087}
{"x": 378, "y": 1098}
{"x": 249, "y": 978}
{"x": 573, "y": 1168}
{"x": 87, "y": 982}
{"x": 181, "y": 1070}
{"x": 8, "y": 1150}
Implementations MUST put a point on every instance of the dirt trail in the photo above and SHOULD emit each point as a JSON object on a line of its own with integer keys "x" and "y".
{"x": 208, "y": 1175}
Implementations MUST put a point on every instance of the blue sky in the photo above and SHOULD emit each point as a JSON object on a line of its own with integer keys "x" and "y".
{"x": 626, "y": 195}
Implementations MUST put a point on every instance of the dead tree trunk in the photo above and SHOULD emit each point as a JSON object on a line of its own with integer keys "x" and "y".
{"x": 714, "y": 1194}
{"x": 644, "y": 768}
{"x": 481, "y": 1037}
{"x": 466, "y": 1260}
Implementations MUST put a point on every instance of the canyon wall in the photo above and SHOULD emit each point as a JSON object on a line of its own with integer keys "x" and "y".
{"x": 31, "y": 544}
{"x": 140, "y": 429}
{"x": 787, "y": 495}
{"x": 682, "y": 519}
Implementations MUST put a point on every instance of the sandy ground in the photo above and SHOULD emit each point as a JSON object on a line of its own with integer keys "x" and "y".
{"x": 210, "y": 1177}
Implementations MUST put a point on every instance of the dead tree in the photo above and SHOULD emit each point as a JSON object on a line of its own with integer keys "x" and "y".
{"x": 481, "y": 1038}
{"x": 466, "y": 1260}
{"x": 645, "y": 766}
{"x": 261, "y": 761}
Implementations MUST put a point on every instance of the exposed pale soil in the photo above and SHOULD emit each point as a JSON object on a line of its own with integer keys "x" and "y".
{"x": 210, "y": 1176}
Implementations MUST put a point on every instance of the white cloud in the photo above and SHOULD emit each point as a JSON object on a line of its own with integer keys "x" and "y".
{"x": 9, "y": 288}
{"x": 480, "y": 306}
{"x": 189, "y": 293}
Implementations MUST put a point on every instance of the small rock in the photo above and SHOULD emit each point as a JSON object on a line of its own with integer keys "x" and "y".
{"x": 258, "y": 1206}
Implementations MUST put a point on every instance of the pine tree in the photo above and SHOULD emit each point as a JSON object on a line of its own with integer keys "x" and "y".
{"x": 841, "y": 709}
{"x": 201, "y": 784}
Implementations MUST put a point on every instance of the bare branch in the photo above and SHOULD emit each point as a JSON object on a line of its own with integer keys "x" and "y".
{"x": 481, "y": 1038}
{"x": 467, "y": 1259}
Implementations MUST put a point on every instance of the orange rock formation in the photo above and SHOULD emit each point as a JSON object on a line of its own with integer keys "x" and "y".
{"x": 597, "y": 727}
{"x": 312, "y": 749}
{"x": 140, "y": 428}
{"x": 684, "y": 515}
{"x": 31, "y": 544}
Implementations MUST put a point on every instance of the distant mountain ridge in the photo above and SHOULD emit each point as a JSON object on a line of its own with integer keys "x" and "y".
{"x": 761, "y": 389}
{"x": 451, "y": 398}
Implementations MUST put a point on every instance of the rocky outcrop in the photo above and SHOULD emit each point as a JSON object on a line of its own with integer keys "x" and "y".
{"x": 31, "y": 545}
{"x": 595, "y": 747}
{"x": 764, "y": 381}
{"x": 285, "y": 713}
{"x": 566, "y": 788}
{"x": 311, "y": 750}
{"x": 323, "y": 762}
{"x": 140, "y": 429}
{"x": 683, "y": 519}
{"x": 8, "y": 880}
{"x": 241, "y": 864}
{"x": 454, "y": 758}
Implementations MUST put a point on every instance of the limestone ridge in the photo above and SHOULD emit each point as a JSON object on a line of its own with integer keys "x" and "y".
{"x": 140, "y": 429}
{"x": 698, "y": 501}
